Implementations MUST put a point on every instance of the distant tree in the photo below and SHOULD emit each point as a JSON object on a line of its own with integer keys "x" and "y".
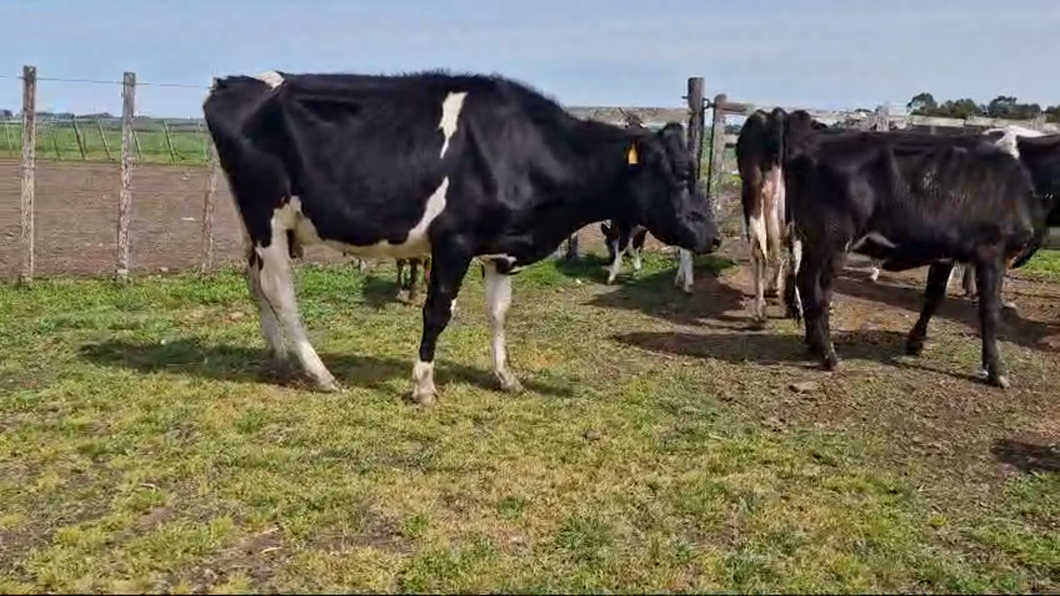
{"x": 923, "y": 104}
{"x": 1052, "y": 114}
{"x": 961, "y": 108}
{"x": 8, "y": 114}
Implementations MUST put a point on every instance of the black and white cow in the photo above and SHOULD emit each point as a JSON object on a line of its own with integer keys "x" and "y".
{"x": 408, "y": 286}
{"x": 456, "y": 167}
{"x": 622, "y": 237}
{"x": 910, "y": 200}
{"x": 759, "y": 157}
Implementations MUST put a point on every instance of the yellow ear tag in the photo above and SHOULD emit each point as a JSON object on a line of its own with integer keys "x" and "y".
{"x": 631, "y": 156}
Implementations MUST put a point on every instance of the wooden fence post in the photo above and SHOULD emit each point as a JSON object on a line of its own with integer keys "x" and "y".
{"x": 717, "y": 151}
{"x": 207, "y": 210}
{"x": 128, "y": 109}
{"x": 696, "y": 120}
{"x": 29, "y": 158}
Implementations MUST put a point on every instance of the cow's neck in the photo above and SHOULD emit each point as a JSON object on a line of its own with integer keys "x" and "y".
{"x": 590, "y": 184}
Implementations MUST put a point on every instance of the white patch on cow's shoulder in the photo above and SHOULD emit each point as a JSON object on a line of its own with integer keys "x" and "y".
{"x": 271, "y": 78}
{"x": 451, "y": 108}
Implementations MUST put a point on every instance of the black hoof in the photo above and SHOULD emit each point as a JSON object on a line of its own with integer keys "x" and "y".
{"x": 914, "y": 347}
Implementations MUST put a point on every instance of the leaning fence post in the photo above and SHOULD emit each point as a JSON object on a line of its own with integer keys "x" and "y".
{"x": 717, "y": 152}
{"x": 207, "y": 210}
{"x": 81, "y": 145}
{"x": 169, "y": 142}
{"x": 29, "y": 157}
{"x": 103, "y": 138}
{"x": 128, "y": 107}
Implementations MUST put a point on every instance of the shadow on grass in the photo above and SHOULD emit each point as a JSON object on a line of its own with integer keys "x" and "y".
{"x": 232, "y": 363}
{"x": 1027, "y": 457}
{"x": 767, "y": 348}
{"x": 875, "y": 345}
{"x": 656, "y": 295}
{"x": 1025, "y": 332}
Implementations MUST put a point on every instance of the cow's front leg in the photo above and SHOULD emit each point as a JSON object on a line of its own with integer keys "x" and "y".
{"x": 814, "y": 282}
{"x": 987, "y": 275}
{"x": 498, "y": 298}
{"x": 684, "y": 278}
{"x": 447, "y": 273}
{"x": 937, "y": 282}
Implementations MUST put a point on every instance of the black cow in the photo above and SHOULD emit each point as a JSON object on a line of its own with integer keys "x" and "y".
{"x": 909, "y": 200}
{"x": 456, "y": 167}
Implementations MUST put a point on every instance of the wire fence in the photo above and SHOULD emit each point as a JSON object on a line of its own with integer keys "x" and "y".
{"x": 121, "y": 192}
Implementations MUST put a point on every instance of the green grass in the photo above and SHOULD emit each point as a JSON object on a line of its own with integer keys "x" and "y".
{"x": 142, "y": 449}
{"x": 59, "y": 141}
{"x": 1045, "y": 263}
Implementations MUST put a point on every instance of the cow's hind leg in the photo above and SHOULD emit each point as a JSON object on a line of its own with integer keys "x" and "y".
{"x": 758, "y": 270}
{"x": 448, "y": 268}
{"x": 498, "y": 299}
{"x": 273, "y": 277}
{"x": 270, "y": 326}
{"x": 792, "y": 301}
{"x": 937, "y": 282}
{"x": 987, "y": 276}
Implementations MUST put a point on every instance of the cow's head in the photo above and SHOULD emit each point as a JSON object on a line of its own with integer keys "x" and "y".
{"x": 665, "y": 194}
{"x": 1041, "y": 157}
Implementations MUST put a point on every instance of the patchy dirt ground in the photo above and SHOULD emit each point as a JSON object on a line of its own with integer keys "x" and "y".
{"x": 940, "y": 418}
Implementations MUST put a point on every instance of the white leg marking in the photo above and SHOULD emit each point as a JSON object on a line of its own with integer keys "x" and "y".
{"x": 796, "y": 264}
{"x": 636, "y": 259}
{"x": 451, "y": 107}
{"x": 758, "y": 307}
{"x": 874, "y": 272}
{"x": 423, "y": 389}
{"x": 498, "y": 299}
{"x": 616, "y": 262}
{"x": 272, "y": 78}
{"x": 270, "y": 327}
{"x": 684, "y": 270}
{"x": 756, "y": 226}
{"x": 278, "y": 289}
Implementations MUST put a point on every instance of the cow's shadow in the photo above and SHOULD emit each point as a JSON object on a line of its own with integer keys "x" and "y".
{"x": 656, "y": 295}
{"x": 1027, "y": 457}
{"x": 1013, "y": 327}
{"x": 768, "y": 348}
{"x": 250, "y": 365}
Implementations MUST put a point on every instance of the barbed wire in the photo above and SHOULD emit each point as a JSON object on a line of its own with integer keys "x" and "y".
{"x": 108, "y": 82}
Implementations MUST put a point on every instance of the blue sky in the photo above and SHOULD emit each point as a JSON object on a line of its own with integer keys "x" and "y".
{"x": 809, "y": 53}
